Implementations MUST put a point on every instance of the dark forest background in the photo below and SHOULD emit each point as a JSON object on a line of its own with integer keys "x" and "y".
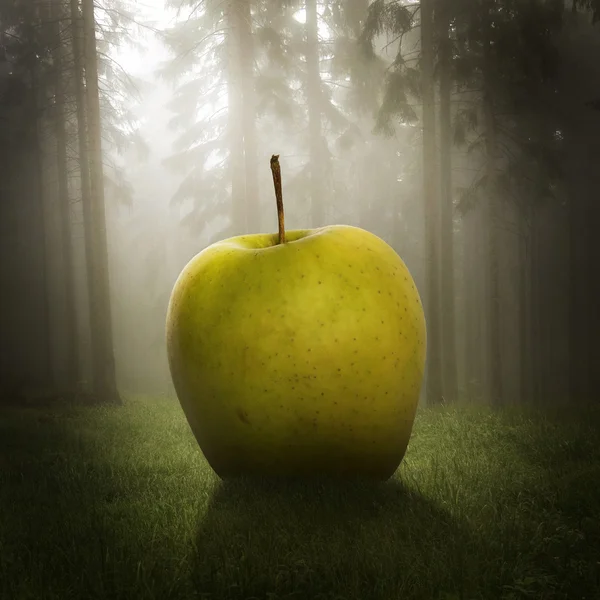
{"x": 466, "y": 134}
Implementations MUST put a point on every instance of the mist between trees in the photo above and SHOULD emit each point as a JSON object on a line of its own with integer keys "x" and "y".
{"x": 466, "y": 134}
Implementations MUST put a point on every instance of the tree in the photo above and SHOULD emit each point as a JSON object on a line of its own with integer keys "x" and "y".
{"x": 447, "y": 294}
{"x": 104, "y": 374}
{"x": 431, "y": 204}
{"x": 313, "y": 95}
{"x": 84, "y": 163}
{"x": 249, "y": 116}
{"x": 579, "y": 125}
{"x": 47, "y": 73}
{"x": 25, "y": 88}
{"x": 490, "y": 204}
{"x": 216, "y": 40}
{"x": 504, "y": 65}
{"x": 57, "y": 17}
{"x": 235, "y": 122}
{"x": 498, "y": 70}
{"x": 291, "y": 96}
{"x": 405, "y": 82}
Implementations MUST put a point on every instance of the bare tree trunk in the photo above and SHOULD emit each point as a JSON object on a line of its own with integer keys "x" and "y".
{"x": 491, "y": 208}
{"x": 593, "y": 259}
{"x": 70, "y": 323}
{"x": 84, "y": 162}
{"x": 580, "y": 299}
{"x": 449, "y": 371}
{"x": 537, "y": 312}
{"x": 235, "y": 133}
{"x": 41, "y": 224}
{"x": 474, "y": 308}
{"x": 524, "y": 309}
{"x": 356, "y": 14}
{"x": 468, "y": 306}
{"x": 249, "y": 117}
{"x": 430, "y": 198}
{"x": 313, "y": 93}
{"x": 105, "y": 385}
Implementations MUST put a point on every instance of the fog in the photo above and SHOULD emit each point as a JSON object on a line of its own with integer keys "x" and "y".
{"x": 351, "y": 152}
{"x": 152, "y": 239}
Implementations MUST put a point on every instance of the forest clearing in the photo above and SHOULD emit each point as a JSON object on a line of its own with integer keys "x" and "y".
{"x": 105, "y": 502}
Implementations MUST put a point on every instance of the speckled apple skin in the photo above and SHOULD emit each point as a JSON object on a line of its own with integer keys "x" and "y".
{"x": 299, "y": 359}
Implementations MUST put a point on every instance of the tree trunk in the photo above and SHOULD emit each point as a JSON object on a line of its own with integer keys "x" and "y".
{"x": 474, "y": 307}
{"x": 249, "y": 117}
{"x": 449, "y": 371}
{"x": 493, "y": 275}
{"x": 537, "y": 312}
{"x": 581, "y": 276}
{"x": 468, "y": 307}
{"x": 40, "y": 223}
{"x": 525, "y": 390}
{"x": 430, "y": 198}
{"x": 235, "y": 132}
{"x": 356, "y": 14}
{"x": 84, "y": 162}
{"x": 105, "y": 385}
{"x": 593, "y": 259}
{"x": 70, "y": 322}
{"x": 313, "y": 93}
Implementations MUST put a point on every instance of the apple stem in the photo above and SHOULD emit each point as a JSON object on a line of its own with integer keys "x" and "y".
{"x": 276, "y": 170}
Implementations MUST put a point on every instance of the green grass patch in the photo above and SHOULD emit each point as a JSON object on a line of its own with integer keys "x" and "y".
{"x": 104, "y": 502}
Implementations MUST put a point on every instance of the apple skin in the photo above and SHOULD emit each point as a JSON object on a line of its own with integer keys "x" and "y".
{"x": 298, "y": 359}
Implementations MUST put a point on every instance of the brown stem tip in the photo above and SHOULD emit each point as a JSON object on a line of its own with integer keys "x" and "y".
{"x": 276, "y": 170}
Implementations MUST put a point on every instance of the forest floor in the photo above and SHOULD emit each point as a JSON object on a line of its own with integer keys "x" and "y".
{"x": 118, "y": 502}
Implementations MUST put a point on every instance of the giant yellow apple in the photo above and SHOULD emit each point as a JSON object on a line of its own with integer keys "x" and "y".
{"x": 298, "y": 358}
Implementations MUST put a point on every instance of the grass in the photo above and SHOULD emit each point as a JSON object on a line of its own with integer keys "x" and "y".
{"x": 100, "y": 502}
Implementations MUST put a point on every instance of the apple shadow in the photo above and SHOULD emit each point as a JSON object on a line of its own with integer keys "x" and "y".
{"x": 332, "y": 540}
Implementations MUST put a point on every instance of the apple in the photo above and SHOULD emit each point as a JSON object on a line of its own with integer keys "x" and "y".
{"x": 298, "y": 355}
